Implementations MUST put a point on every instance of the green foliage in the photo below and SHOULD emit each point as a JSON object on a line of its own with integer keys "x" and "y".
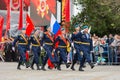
{"x": 102, "y": 15}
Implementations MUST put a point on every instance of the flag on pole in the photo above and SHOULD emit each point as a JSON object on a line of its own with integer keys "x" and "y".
{"x": 6, "y": 2}
{"x": 29, "y": 25}
{"x": 89, "y": 29}
{"x": 67, "y": 11}
{"x": 27, "y": 56}
{"x": 8, "y": 15}
{"x": 21, "y": 15}
{"x": 1, "y": 27}
{"x": 55, "y": 29}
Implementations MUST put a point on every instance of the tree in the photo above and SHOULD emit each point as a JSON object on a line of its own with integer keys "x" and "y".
{"x": 102, "y": 15}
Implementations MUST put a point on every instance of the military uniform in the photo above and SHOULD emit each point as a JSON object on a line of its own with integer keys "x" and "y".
{"x": 34, "y": 41}
{"x": 62, "y": 49}
{"x": 22, "y": 40}
{"x": 76, "y": 56}
{"x": 48, "y": 45}
{"x": 86, "y": 47}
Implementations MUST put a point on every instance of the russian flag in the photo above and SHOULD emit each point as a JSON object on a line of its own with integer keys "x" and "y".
{"x": 55, "y": 27}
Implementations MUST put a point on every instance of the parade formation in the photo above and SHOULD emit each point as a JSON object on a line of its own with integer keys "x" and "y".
{"x": 56, "y": 49}
{"x": 47, "y": 36}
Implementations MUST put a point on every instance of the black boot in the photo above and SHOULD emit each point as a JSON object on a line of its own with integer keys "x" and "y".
{"x": 72, "y": 67}
{"x": 27, "y": 64}
{"x": 43, "y": 68}
{"x": 91, "y": 65}
{"x": 18, "y": 67}
{"x": 37, "y": 66}
{"x": 67, "y": 65}
{"x": 84, "y": 66}
{"x": 32, "y": 66}
{"x": 58, "y": 68}
{"x": 55, "y": 65}
{"x": 80, "y": 69}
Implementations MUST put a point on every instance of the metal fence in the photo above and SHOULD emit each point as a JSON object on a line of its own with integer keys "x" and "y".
{"x": 105, "y": 54}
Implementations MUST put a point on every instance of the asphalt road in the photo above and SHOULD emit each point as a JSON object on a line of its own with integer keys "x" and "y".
{"x": 8, "y": 71}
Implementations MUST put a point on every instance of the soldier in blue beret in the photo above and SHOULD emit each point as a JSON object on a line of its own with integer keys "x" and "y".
{"x": 86, "y": 46}
{"x": 76, "y": 46}
{"x": 22, "y": 40}
{"x": 62, "y": 48}
{"x": 35, "y": 42}
{"x": 48, "y": 45}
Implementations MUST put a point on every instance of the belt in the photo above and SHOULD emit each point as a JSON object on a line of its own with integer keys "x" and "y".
{"x": 49, "y": 43}
{"x": 35, "y": 45}
{"x": 23, "y": 43}
{"x": 62, "y": 46}
{"x": 79, "y": 42}
{"x": 85, "y": 43}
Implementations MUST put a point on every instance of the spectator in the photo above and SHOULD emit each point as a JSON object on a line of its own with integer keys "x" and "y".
{"x": 111, "y": 49}
{"x": 116, "y": 45}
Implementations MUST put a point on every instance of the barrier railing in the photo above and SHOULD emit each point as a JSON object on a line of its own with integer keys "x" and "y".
{"x": 104, "y": 54}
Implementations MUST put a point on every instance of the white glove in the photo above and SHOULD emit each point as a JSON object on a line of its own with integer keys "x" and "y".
{"x": 13, "y": 48}
{"x": 70, "y": 35}
{"x": 72, "y": 44}
{"x": 41, "y": 47}
{"x": 53, "y": 50}
{"x": 74, "y": 51}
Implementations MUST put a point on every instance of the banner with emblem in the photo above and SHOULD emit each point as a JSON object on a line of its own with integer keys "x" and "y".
{"x": 41, "y": 11}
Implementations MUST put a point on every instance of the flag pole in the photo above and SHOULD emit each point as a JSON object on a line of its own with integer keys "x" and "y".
{"x": 21, "y": 15}
{"x": 8, "y": 17}
{"x": 10, "y": 14}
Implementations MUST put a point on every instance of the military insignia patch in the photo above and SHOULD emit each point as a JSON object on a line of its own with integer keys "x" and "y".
{"x": 43, "y": 8}
{"x": 83, "y": 36}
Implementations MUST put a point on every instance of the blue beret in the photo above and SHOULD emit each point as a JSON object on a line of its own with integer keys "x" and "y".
{"x": 84, "y": 27}
{"x": 47, "y": 26}
{"x": 76, "y": 25}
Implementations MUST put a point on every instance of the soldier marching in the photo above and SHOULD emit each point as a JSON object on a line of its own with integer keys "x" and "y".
{"x": 23, "y": 45}
{"x": 81, "y": 45}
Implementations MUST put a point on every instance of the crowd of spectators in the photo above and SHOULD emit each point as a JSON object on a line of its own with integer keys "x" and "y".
{"x": 106, "y": 49}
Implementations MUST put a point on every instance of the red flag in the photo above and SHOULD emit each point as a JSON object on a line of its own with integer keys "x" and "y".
{"x": 55, "y": 36}
{"x": 27, "y": 2}
{"x": 27, "y": 56}
{"x": 6, "y": 2}
{"x": 21, "y": 15}
{"x": 29, "y": 25}
{"x": 67, "y": 11}
{"x": 50, "y": 64}
{"x": 1, "y": 26}
{"x": 8, "y": 15}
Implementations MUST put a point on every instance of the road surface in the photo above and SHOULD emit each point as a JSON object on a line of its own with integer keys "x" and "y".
{"x": 8, "y": 71}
